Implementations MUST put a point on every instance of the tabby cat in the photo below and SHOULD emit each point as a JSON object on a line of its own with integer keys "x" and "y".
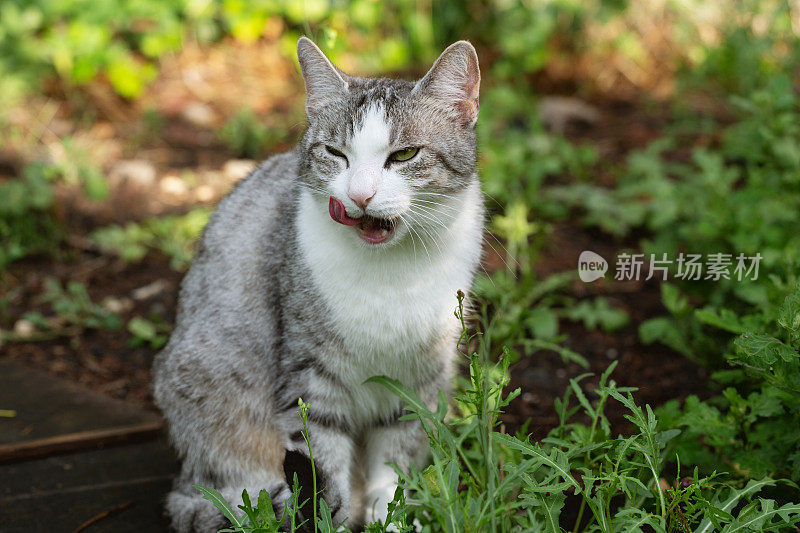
{"x": 329, "y": 264}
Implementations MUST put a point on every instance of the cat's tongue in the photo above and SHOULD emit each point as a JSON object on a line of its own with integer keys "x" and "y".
{"x": 339, "y": 214}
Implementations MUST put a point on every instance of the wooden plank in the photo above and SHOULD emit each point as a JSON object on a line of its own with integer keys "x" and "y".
{"x": 54, "y": 415}
{"x": 60, "y": 493}
{"x": 99, "y": 438}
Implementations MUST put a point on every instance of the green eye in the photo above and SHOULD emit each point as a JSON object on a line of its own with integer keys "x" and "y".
{"x": 404, "y": 155}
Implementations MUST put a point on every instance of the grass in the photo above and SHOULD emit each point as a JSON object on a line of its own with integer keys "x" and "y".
{"x": 483, "y": 479}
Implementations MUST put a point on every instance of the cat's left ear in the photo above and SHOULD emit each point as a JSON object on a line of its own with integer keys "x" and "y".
{"x": 324, "y": 82}
{"x": 454, "y": 80}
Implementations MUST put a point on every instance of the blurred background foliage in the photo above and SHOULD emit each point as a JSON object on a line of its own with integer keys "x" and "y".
{"x": 658, "y": 126}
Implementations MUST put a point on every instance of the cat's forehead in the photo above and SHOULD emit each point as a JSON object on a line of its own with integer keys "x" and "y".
{"x": 372, "y": 107}
{"x": 373, "y": 100}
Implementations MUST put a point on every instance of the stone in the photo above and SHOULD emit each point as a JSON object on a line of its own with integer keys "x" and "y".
{"x": 136, "y": 172}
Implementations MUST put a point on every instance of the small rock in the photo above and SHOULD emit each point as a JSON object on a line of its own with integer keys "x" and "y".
{"x": 24, "y": 328}
{"x": 199, "y": 114}
{"x": 118, "y": 305}
{"x": 236, "y": 169}
{"x": 136, "y": 172}
{"x": 204, "y": 193}
{"x": 558, "y": 111}
{"x": 173, "y": 185}
{"x": 150, "y": 290}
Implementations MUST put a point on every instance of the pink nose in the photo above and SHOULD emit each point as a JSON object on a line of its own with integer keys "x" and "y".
{"x": 361, "y": 199}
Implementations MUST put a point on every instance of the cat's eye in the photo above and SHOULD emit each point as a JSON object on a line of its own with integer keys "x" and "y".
{"x": 404, "y": 155}
{"x": 333, "y": 151}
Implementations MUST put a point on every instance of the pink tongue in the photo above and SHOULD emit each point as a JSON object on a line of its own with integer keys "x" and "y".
{"x": 338, "y": 213}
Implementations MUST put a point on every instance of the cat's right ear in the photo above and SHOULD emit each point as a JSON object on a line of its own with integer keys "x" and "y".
{"x": 324, "y": 82}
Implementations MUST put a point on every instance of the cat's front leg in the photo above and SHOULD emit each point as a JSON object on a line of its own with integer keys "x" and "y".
{"x": 401, "y": 444}
{"x": 332, "y": 450}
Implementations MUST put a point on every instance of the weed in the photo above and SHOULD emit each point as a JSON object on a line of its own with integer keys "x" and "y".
{"x": 174, "y": 236}
{"x": 27, "y": 222}
{"x": 73, "y": 312}
{"x": 246, "y": 136}
{"x": 153, "y": 332}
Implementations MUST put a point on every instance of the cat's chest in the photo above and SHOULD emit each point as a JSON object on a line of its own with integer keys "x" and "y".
{"x": 376, "y": 315}
{"x": 382, "y": 306}
{"x": 388, "y": 307}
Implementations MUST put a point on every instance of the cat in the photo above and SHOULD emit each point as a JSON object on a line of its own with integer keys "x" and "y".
{"x": 327, "y": 265}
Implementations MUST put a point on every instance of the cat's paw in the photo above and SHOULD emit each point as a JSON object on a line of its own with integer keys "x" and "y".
{"x": 194, "y": 514}
{"x": 377, "y": 502}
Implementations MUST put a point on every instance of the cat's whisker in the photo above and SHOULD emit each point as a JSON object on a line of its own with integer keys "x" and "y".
{"x": 498, "y": 241}
{"x": 438, "y": 204}
{"x": 411, "y": 235}
{"x": 434, "y": 211}
{"x": 435, "y": 221}
{"x": 432, "y": 238}
{"x": 421, "y": 241}
{"x": 503, "y": 257}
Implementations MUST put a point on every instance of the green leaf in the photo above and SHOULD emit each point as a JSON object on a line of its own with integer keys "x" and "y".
{"x": 565, "y": 353}
{"x": 734, "y": 496}
{"x": 673, "y": 300}
{"x": 789, "y": 313}
{"x": 762, "y": 351}
{"x": 551, "y": 506}
{"x": 723, "y": 319}
{"x": 265, "y": 509}
{"x": 247, "y": 507}
{"x": 220, "y": 503}
{"x": 401, "y": 391}
{"x": 753, "y": 518}
{"x": 142, "y": 328}
{"x": 542, "y": 322}
{"x": 560, "y": 464}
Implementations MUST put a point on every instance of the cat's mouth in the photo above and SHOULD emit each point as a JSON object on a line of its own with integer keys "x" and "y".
{"x": 374, "y": 230}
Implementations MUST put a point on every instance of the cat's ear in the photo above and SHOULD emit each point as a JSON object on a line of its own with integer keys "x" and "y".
{"x": 454, "y": 80}
{"x": 324, "y": 82}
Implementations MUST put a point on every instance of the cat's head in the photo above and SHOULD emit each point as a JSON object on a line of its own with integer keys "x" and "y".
{"x": 390, "y": 157}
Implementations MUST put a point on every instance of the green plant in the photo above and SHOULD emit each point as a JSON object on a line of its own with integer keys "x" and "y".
{"x": 246, "y": 135}
{"x": 738, "y": 198}
{"x": 153, "y": 332}
{"x": 75, "y": 167}
{"x": 753, "y": 427}
{"x": 73, "y": 312}
{"x": 27, "y": 223}
{"x": 174, "y": 236}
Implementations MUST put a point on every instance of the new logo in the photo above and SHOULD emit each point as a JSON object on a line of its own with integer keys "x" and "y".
{"x": 591, "y": 266}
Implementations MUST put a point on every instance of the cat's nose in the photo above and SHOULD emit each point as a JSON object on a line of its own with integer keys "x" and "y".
{"x": 361, "y": 198}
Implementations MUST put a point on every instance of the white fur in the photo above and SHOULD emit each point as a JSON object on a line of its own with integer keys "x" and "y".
{"x": 386, "y": 303}
{"x": 367, "y": 175}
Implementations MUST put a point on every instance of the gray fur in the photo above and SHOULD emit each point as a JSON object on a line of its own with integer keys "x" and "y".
{"x": 254, "y": 332}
